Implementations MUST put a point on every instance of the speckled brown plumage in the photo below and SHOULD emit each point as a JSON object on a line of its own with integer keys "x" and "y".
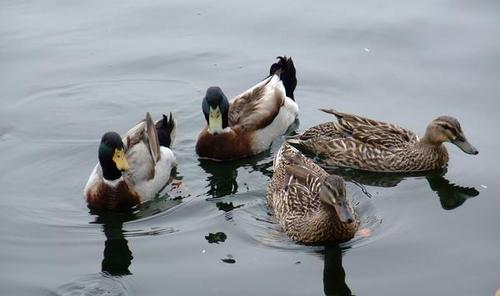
{"x": 367, "y": 144}
{"x": 297, "y": 205}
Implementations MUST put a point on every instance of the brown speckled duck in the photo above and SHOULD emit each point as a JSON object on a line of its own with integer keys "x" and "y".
{"x": 366, "y": 144}
{"x": 133, "y": 169}
{"x": 310, "y": 205}
{"x": 249, "y": 124}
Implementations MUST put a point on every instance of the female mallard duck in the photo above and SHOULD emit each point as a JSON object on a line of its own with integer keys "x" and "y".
{"x": 145, "y": 160}
{"x": 309, "y": 204}
{"x": 249, "y": 124}
{"x": 371, "y": 145}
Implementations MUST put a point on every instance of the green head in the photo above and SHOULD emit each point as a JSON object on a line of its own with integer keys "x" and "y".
{"x": 215, "y": 107}
{"x": 112, "y": 156}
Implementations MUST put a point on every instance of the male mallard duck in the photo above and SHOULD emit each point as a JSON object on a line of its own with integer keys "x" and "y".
{"x": 249, "y": 124}
{"x": 310, "y": 205}
{"x": 145, "y": 159}
{"x": 371, "y": 145}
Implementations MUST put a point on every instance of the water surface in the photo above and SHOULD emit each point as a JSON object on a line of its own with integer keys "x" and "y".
{"x": 72, "y": 70}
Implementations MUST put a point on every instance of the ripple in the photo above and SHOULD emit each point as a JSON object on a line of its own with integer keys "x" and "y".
{"x": 94, "y": 284}
{"x": 262, "y": 229}
{"x": 75, "y": 89}
{"x": 117, "y": 103}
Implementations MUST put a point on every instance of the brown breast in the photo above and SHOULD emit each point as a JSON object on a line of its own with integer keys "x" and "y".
{"x": 225, "y": 146}
{"x": 119, "y": 198}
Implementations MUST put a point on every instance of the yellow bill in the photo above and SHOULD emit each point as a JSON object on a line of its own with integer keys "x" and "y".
{"x": 120, "y": 160}
{"x": 215, "y": 121}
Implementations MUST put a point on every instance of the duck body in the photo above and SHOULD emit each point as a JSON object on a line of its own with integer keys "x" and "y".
{"x": 310, "y": 205}
{"x": 366, "y": 144}
{"x": 132, "y": 169}
{"x": 251, "y": 121}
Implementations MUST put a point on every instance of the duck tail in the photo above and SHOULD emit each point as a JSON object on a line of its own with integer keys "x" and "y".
{"x": 295, "y": 142}
{"x": 166, "y": 130}
{"x": 285, "y": 69}
{"x": 337, "y": 114}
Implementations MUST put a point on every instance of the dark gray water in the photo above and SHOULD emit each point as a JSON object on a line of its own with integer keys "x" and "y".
{"x": 69, "y": 71}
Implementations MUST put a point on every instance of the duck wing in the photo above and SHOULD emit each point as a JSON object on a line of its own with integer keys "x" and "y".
{"x": 142, "y": 150}
{"x": 326, "y": 129}
{"x": 257, "y": 107}
{"x": 372, "y": 132}
{"x": 299, "y": 180}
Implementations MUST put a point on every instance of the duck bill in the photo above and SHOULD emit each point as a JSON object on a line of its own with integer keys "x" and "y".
{"x": 120, "y": 160}
{"x": 466, "y": 147}
{"x": 122, "y": 165}
{"x": 214, "y": 121}
{"x": 344, "y": 213}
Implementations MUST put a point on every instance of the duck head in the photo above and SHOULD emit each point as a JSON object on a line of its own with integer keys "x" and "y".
{"x": 333, "y": 193}
{"x": 215, "y": 107}
{"x": 447, "y": 129}
{"x": 112, "y": 156}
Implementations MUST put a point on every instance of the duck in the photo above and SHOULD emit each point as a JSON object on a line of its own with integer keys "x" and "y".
{"x": 310, "y": 205}
{"x": 371, "y": 145}
{"x": 134, "y": 168}
{"x": 248, "y": 124}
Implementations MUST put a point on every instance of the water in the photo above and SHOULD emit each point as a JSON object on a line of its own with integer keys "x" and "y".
{"x": 71, "y": 71}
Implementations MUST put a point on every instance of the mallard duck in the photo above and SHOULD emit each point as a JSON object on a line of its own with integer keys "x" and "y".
{"x": 252, "y": 120}
{"x": 310, "y": 205}
{"x": 134, "y": 168}
{"x": 371, "y": 145}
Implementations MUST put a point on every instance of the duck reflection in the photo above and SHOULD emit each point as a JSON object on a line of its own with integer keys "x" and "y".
{"x": 115, "y": 264}
{"x": 117, "y": 255}
{"x": 450, "y": 195}
{"x": 334, "y": 283}
{"x": 222, "y": 176}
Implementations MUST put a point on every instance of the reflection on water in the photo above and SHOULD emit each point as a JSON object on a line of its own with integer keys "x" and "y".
{"x": 450, "y": 195}
{"x": 222, "y": 176}
{"x": 334, "y": 283}
{"x": 117, "y": 255}
{"x": 226, "y": 206}
{"x": 117, "y": 258}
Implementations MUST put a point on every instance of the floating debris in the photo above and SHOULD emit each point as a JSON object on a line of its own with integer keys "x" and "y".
{"x": 229, "y": 259}
{"x": 215, "y": 238}
{"x": 203, "y": 251}
{"x": 484, "y": 186}
{"x": 367, "y": 49}
{"x": 226, "y": 207}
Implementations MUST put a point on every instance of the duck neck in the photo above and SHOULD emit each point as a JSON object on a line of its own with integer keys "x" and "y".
{"x": 110, "y": 172}
{"x": 432, "y": 154}
{"x": 429, "y": 141}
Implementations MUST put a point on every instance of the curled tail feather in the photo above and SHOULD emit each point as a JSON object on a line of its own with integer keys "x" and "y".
{"x": 166, "y": 130}
{"x": 285, "y": 69}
